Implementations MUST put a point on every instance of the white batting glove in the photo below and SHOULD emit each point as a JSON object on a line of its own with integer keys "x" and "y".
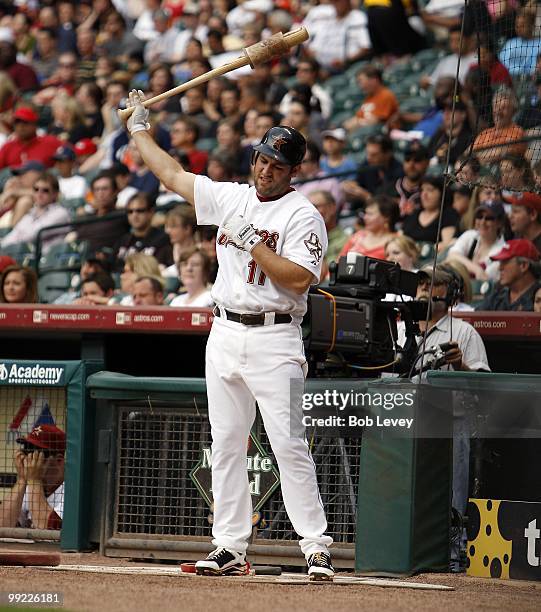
{"x": 241, "y": 232}
{"x": 138, "y": 120}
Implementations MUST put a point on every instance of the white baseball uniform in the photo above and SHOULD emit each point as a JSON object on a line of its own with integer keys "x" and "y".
{"x": 245, "y": 364}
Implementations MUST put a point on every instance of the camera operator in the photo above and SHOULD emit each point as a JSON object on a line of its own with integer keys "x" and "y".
{"x": 463, "y": 347}
{"x": 37, "y": 498}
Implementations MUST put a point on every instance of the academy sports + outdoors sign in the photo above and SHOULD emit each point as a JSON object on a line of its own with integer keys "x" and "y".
{"x": 32, "y": 373}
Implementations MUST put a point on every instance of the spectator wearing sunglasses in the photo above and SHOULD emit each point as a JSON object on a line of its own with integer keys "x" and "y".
{"x": 475, "y": 248}
{"x": 408, "y": 187}
{"x": 143, "y": 237}
{"x": 45, "y": 211}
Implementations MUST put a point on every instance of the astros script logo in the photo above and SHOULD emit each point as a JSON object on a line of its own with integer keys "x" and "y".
{"x": 268, "y": 237}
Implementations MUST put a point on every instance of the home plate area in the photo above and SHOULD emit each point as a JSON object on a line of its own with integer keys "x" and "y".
{"x": 285, "y": 578}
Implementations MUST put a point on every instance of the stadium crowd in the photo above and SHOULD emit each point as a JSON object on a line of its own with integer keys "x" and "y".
{"x": 374, "y": 92}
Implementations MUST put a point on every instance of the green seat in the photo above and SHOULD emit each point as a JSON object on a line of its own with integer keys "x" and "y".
{"x": 5, "y": 174}
{"x": 480, "y": 289}
{"x": 61, "y": 256}
{"x": 336, "y": 83}
{"x": 425, "y": 58}
{"x": 172, "y": 284}
{"x": 406, "y": 81}
{"x": 357, "y": 138}
{"x": 427, "y": 252}
{"x": 207, "y": 144}
{"x": 415, "y": 104}
{"x": 45, "y": 116}
{"x": 19, "y": 251}
{"x": 72, "y": 204}
{"x": 52, "y": 284}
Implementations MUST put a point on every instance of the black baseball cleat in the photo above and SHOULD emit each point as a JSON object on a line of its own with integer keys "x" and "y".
{"x": 223, "y": 562}
{"x": 320, "y": 567}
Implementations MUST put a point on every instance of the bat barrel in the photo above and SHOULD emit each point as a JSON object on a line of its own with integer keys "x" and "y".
{"x": 275, "y": 46}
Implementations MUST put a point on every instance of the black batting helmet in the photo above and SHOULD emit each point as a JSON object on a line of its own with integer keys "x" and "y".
{"x": 284, "y": 144}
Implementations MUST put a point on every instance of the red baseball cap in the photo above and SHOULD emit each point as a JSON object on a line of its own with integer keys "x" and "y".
{"x": 528, "y": 199}
{"x": 5, "y": 261}
{"x": 517, "y": 248}
{"x": 27, "y": 114}
{"x": 85, "y": 146}
{"x": 48, "y": 437}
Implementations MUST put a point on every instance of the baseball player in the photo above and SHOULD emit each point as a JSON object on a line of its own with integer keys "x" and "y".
{"x": 270, "y": 247}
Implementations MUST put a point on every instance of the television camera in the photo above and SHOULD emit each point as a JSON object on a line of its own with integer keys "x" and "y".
{"x": 349, "y": 328}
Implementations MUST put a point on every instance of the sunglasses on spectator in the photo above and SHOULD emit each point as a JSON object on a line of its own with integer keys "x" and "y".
{"x": 67, "y": 64}
{"x": 132, "y": 211}
{"x": 481, "y": 215}
{"x": 42, "y": 189}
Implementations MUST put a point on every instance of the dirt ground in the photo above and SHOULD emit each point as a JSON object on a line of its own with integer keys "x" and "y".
{"x": 128, "y": 593}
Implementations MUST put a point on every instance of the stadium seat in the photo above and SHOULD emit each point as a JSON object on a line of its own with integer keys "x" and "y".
{"x": 72, "y": 204}
{"x": 336, "y": 83}
{"x": 425, "y": 58}
{"x": 5, "y": 174}
{"x": 480, "y": 289}
{"x": 415, "y": 104}
{"x": 426, "y": 255}
{"x": 62, "y": 256}
{"x": 357, "y": 138}
{"x": 53, "y": 284}
{"x": 172, "y": 284}
{"x": 338, "y": 117}
{"x": 207, "y": 144}
{"x": 19, "y": 251}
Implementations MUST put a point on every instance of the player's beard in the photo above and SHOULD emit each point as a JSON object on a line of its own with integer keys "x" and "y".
{"x": 270, "y": 189}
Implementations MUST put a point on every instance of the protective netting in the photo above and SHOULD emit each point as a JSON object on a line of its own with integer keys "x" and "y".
{"x": 498, "y": 98}
{"x": 32, "y": 421}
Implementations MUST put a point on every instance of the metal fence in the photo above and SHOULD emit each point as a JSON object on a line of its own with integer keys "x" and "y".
{"x": 22, "y": 408}
{"x": 154, "y": 497}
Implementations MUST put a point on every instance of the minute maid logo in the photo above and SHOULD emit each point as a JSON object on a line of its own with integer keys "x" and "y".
{"x": 31, "y": 374}
{"x": 263, "y": 477}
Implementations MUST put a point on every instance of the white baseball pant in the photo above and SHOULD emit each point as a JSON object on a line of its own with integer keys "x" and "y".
{"x": 245, "y": 364}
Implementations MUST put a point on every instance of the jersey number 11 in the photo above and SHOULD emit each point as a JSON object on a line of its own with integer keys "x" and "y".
{"x": 252, "y": 271}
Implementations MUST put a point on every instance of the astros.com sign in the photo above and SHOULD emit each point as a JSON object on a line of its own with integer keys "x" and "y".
{"x": 31, "y": 374}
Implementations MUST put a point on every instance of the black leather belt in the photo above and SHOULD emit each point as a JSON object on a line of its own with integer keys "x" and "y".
{"x": 252, "y": 319}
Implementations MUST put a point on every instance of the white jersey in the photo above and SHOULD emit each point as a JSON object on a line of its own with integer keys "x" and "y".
{"x": 55, "y": 500}
{"x": 291, "y": 226}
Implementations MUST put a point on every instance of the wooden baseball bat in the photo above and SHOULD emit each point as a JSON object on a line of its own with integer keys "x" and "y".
{"x": 263, "y": 51}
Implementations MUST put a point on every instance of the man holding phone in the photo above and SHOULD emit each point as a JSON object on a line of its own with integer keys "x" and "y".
{"x": 37, "y": 497}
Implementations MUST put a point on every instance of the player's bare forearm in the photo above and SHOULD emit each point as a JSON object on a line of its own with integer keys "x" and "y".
{"x": 281, "y": 270}
{"x": 11, "y": 506}
{"x": 37, "y": 504}
{"x": 167, "y": 169}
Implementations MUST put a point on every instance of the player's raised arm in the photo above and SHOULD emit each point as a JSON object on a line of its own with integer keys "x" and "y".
{"x": 167, "y": 169}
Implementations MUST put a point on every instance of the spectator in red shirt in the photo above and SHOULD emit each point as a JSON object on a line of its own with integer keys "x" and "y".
{"x": 26, "y": 145}
{"x": 489, "y": 62}
{"x": 23, "y": 76}
{"x": 184, "y": 135}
